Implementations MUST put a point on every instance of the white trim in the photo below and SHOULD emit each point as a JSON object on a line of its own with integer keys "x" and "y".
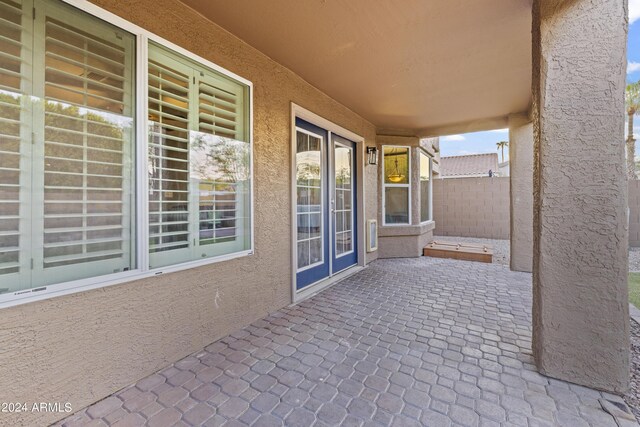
{"x": 142, "y": 153}
{"x": 370, "y": 247}
{"x": 306, "y": 115}
{"x": 407, "y": 185}
{"x": 143, "y": 37}
{"x": 321, "y": 122}
{"x": 252, "y": 228}
{"x": 294, "y": 202}
{"x": 331, "y": 201}
{"x": 30, "y": 295}
{"x": 421, "y": 152}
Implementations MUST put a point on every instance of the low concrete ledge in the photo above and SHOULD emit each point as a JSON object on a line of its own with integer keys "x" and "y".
{"x": 406, "y": 230}
{"x": 404, "y": 241}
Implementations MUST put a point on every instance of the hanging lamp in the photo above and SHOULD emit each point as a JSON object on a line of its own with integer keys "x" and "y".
{"x": 396, "y": 176}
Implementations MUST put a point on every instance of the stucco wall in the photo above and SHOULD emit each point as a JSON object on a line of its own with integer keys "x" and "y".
{"x": 580, "y": 255}
{"x": 85, "y": 346}
{"x": 521, "y": 194}
{"x": 471, "y": 207}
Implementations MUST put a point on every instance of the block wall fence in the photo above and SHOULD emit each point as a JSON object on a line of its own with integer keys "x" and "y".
{"x": 479, "y": 207}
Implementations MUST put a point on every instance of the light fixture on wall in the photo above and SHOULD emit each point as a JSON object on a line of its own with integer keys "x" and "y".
{"x": 372, "y": 155}
{"x": 396, "y": 176}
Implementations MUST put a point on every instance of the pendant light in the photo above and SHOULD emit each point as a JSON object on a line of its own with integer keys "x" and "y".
{"x": 396, "y": 176}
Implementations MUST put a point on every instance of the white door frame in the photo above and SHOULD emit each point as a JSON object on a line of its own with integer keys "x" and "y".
{"x": 304, "y": 114}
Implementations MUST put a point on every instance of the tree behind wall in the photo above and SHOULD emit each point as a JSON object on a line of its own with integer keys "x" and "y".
{"x": 632, "y": 100}
{"x": 501, "y": 146}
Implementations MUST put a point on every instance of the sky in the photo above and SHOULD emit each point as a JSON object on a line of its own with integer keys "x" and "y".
{"x": 485, "y": 142}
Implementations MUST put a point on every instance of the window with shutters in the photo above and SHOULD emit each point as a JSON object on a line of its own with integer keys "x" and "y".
{"x": 66, "y": 142}
{"x": 92, "y": 193}
{"x": 199, "y": 166}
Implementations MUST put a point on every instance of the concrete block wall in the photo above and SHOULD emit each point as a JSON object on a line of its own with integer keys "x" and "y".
{"x": 471, "y": 207}
{"x": 479, "y": 207}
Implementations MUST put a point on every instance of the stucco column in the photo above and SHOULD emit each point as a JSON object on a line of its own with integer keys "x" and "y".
{"x": 580, "y": 260}
{"x": 521, "y": 192}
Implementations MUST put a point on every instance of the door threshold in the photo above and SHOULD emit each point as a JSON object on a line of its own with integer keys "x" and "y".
{"x": 323, "y": 284}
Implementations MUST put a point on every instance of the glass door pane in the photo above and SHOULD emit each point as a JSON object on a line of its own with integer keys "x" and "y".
{"x": 312, "y": 208}
{"x": 343, "y": 211}
{"x": 309, "y": 200}
{"x": 343, "y": 196}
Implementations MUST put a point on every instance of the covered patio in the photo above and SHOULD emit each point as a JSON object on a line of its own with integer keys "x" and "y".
{"x": 177, "y": 173}
{"x": 404, "y": 342}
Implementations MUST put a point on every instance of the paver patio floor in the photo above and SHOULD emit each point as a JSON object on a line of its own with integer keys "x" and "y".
{"x": 403, "y": 342}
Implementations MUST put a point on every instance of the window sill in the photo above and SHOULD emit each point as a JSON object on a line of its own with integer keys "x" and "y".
{"x": 51, "y": 291}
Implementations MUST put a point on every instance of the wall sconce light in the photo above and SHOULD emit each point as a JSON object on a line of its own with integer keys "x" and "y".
{"x": 372, "y": 155}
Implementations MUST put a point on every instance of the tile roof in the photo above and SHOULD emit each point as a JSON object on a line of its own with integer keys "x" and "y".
{"x": 470, "y": 165}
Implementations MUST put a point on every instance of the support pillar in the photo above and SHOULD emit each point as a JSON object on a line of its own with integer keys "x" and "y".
{"x": 580, "y": 259}
{"x": 521, "y": 192}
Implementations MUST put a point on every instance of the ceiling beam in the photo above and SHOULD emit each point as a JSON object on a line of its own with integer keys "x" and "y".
{"x": 480, "y": 125}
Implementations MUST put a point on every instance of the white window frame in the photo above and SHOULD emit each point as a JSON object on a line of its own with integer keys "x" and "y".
{"x": 387, "y": 185}
{"x": 422, "y": 152}
{"x": 143, "y": 37}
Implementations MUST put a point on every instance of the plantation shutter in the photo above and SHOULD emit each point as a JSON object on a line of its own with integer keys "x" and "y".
{"x": 15, "y": 143}
{"x": 84, "y": 161}
{"x": 220, "y": 107}
{"x": 198, "y": 162}
{"x": 169, "y": 123}
{"x": 220, "y": 113}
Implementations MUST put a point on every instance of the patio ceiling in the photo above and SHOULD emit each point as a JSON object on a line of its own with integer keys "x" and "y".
{"x": 427, "y": 66}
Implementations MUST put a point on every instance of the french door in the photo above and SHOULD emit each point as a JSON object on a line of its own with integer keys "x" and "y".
{"x": 326, "y": 214}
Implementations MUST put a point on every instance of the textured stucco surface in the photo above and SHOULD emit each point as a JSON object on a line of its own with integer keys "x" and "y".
{"x": 580, "y": 308}
{"x": 521, "y": 192}
{"x": 85, "y": 346}
{"x": 404, "y": 241}
{"x": 471, "y": 207}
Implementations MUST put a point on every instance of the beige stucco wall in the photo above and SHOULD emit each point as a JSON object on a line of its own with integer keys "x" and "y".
{"x": 580, "y": 259}
{"x": 82, "y": 347}
{"x": 521, "y": 193}
{"x": 471, "y": 207}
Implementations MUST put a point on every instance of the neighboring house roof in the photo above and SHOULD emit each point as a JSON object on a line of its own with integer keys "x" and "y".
{"x": 468, "y": 166}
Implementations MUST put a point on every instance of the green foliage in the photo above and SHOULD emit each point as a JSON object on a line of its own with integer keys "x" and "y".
{"x": 632, "y": 98}
{"x": 632, "y": 101}
{"x": 501, "y": 146}
{"x": 215, "y": 158}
